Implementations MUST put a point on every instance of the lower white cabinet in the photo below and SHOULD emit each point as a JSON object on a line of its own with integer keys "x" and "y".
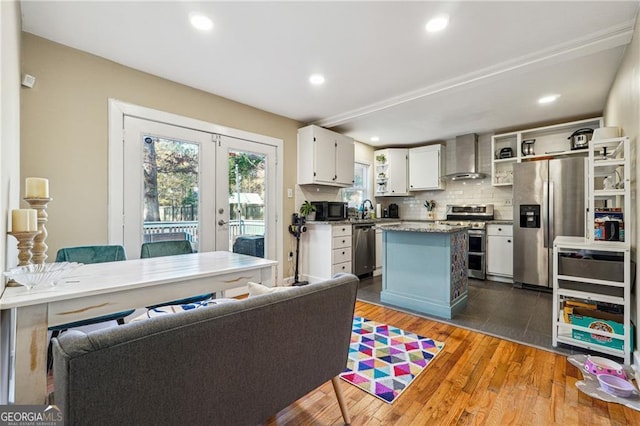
{"x": 325, "y": 250}
{"x": 500, "y": 253}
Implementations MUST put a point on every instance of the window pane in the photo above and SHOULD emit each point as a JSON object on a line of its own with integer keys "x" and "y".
{"x": 355, "y": 195}
{"x": 170, "y": 190}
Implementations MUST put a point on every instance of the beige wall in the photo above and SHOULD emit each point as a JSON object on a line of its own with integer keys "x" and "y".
{"x": 9, "y": 127}
{"x": 623, "y": 110}
{"x": 64, "y": 131}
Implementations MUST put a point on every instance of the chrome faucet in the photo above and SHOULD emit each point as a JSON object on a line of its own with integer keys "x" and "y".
{"x": 364, "y": 207}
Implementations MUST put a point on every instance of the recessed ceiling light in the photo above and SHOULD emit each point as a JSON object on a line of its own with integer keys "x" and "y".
{"x": 200, "y": 21}
{"x": 316, "y": 79}
{"x": 438, "y": 23}
{"x": 374, "y": 139}
{"x": 548, "y": 99}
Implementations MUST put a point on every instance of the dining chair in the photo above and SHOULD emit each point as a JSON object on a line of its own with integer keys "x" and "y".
{"x": 89, "y": 254}
{"x": 171, "y": 248}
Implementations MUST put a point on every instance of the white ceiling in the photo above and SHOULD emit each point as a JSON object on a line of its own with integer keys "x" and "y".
{"x": 385, "y": 75}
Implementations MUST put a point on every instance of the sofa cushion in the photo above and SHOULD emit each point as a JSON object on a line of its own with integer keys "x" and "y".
{"x": 256, "y": 289}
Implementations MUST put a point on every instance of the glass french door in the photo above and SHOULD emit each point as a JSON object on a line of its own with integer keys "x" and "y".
{"x": 246, "y": 200}
{"x": 168, "y": 188}
{"x": 215, "y": 191}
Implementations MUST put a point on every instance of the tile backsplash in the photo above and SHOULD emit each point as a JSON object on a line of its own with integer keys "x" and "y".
{"x": 458, "y": 192}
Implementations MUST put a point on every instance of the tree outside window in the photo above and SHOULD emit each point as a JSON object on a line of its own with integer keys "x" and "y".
{"x": 359, "y": 192}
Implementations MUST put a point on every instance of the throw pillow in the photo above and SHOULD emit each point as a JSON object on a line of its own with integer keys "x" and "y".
{"x": 256, "y": 289}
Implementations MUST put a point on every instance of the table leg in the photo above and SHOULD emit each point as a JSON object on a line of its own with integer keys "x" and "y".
{"x": 30, "y": 366}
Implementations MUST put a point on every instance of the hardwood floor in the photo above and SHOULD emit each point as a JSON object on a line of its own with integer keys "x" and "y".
{"x": 476, "y": 379}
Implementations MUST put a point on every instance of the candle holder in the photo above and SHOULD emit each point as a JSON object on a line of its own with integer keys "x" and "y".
{"x": 39, "y": 250}
{"x": 25, "y": 244}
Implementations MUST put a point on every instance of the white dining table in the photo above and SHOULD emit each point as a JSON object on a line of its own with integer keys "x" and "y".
{"x": 100, "y": 289}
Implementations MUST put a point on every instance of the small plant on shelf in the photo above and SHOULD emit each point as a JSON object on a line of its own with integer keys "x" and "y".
{"x": 381, "y": 158}
{"x": 306, "y": 209}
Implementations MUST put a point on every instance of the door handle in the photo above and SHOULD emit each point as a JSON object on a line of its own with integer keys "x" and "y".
{"x": 222, "y": 222}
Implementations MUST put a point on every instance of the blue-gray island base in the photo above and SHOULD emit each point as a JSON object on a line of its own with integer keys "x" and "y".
{"x": 425, "y": 268}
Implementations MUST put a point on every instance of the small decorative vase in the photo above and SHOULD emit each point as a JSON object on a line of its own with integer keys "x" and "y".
{"x": 431, "y": 215}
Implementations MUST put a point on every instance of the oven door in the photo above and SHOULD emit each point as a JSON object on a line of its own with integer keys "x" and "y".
{"x": 476, "y": 266}
{"x": 476, "y": 241}
{"x": 477, "y": 259}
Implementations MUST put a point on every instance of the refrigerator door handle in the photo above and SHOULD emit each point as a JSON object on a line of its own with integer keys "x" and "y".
{"x": 545, "y": 213}
{"x": 551, "y": 223}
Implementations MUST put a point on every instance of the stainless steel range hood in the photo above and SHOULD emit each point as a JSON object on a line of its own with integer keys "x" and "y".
{"x": 465, "y": 156}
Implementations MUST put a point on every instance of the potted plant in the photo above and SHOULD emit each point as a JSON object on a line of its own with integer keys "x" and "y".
{"x": 307, "y": 209}
{"x": 381, "y": 158}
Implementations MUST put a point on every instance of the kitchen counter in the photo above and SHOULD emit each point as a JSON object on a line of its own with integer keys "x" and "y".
{"x": 351, "y": 221}
{"x": 500, "y": 222}
{"x": 423, "y": 227}
{"x": 425, "y": 267}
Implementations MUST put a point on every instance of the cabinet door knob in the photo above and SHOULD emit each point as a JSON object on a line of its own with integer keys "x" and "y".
{"x": 508, "y": 241}
{"x": 342, "y": 252}
{"x": 499, "y": 229}
{"x": 344, "y": 241}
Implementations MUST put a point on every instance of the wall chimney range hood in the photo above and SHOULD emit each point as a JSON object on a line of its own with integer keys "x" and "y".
{"x": 465, "y": 159}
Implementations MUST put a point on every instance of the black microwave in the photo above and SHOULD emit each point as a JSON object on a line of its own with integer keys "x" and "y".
{"x": 330, "y": 210}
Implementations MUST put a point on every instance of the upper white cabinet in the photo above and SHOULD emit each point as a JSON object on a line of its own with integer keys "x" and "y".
{"x": 391, "y": 172}
{"x": 426, "y": 168}
{"x": 324, "y": 157}
{"x": 534, "y": 144}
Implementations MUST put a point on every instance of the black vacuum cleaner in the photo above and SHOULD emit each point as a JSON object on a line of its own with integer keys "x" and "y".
{"x": 297, "y": 228}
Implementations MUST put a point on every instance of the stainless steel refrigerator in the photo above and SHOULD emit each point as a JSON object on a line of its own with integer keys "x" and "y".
{"x": 548, "y": 201}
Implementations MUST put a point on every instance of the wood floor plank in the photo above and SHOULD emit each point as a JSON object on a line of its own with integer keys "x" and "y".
{"x": 475, "y": 380}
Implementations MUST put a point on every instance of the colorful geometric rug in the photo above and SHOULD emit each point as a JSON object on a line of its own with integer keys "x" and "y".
{"x": 384, "y": 360}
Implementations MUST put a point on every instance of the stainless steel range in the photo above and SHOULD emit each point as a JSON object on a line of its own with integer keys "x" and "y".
{"x": 475, "y": 217}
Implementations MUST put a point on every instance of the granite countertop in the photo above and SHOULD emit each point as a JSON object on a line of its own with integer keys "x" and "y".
{"x": 352, "y": 221}
{"x": 381, "y": 221}
{"x": 423, "y": 227}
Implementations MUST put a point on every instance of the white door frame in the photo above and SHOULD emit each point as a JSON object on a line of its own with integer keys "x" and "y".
{"x": 118, "y": 110}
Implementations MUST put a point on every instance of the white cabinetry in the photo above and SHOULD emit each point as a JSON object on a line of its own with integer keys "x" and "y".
{"x": 391, "y": 172}
{"x": 602, "y": 280}
{"x": 378, "y": 270}
{"x": 324, "y": 157}
{"x": 426, "y": 168}
{"x": 500, "y": 253}
{"x": 325, "y": 251}
{"x": 550, "y": 142}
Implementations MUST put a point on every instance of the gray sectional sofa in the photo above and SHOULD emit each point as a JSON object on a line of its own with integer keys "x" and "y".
{"x": 236, "y": 363}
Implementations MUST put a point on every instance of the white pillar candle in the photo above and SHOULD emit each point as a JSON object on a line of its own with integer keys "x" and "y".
{"x": 36, "y": 188}
{"x": 24, "y": 220}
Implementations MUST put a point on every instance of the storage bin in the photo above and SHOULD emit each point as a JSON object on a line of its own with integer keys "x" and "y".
{"x": 601, "y": 321}
{"x": 591, "y": 268}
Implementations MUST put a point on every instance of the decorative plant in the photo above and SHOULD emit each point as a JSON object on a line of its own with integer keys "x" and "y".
{"x": 307, "y": 208}
{"x": 430, "y": 205}
{"x": 381, "y": 158}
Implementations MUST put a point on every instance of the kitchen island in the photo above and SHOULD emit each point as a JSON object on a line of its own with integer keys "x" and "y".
{"x": 425, "y": 267}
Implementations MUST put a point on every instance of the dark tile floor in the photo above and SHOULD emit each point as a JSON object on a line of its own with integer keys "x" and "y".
{"x": 498, "y": 309}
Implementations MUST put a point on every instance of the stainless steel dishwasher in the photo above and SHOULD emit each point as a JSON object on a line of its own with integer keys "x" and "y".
{"x": 364, "y": 248}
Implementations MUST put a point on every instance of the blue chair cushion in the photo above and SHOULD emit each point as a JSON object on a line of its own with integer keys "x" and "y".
{"x": 165, "y": 248}
{"x": 91, "y": 254}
